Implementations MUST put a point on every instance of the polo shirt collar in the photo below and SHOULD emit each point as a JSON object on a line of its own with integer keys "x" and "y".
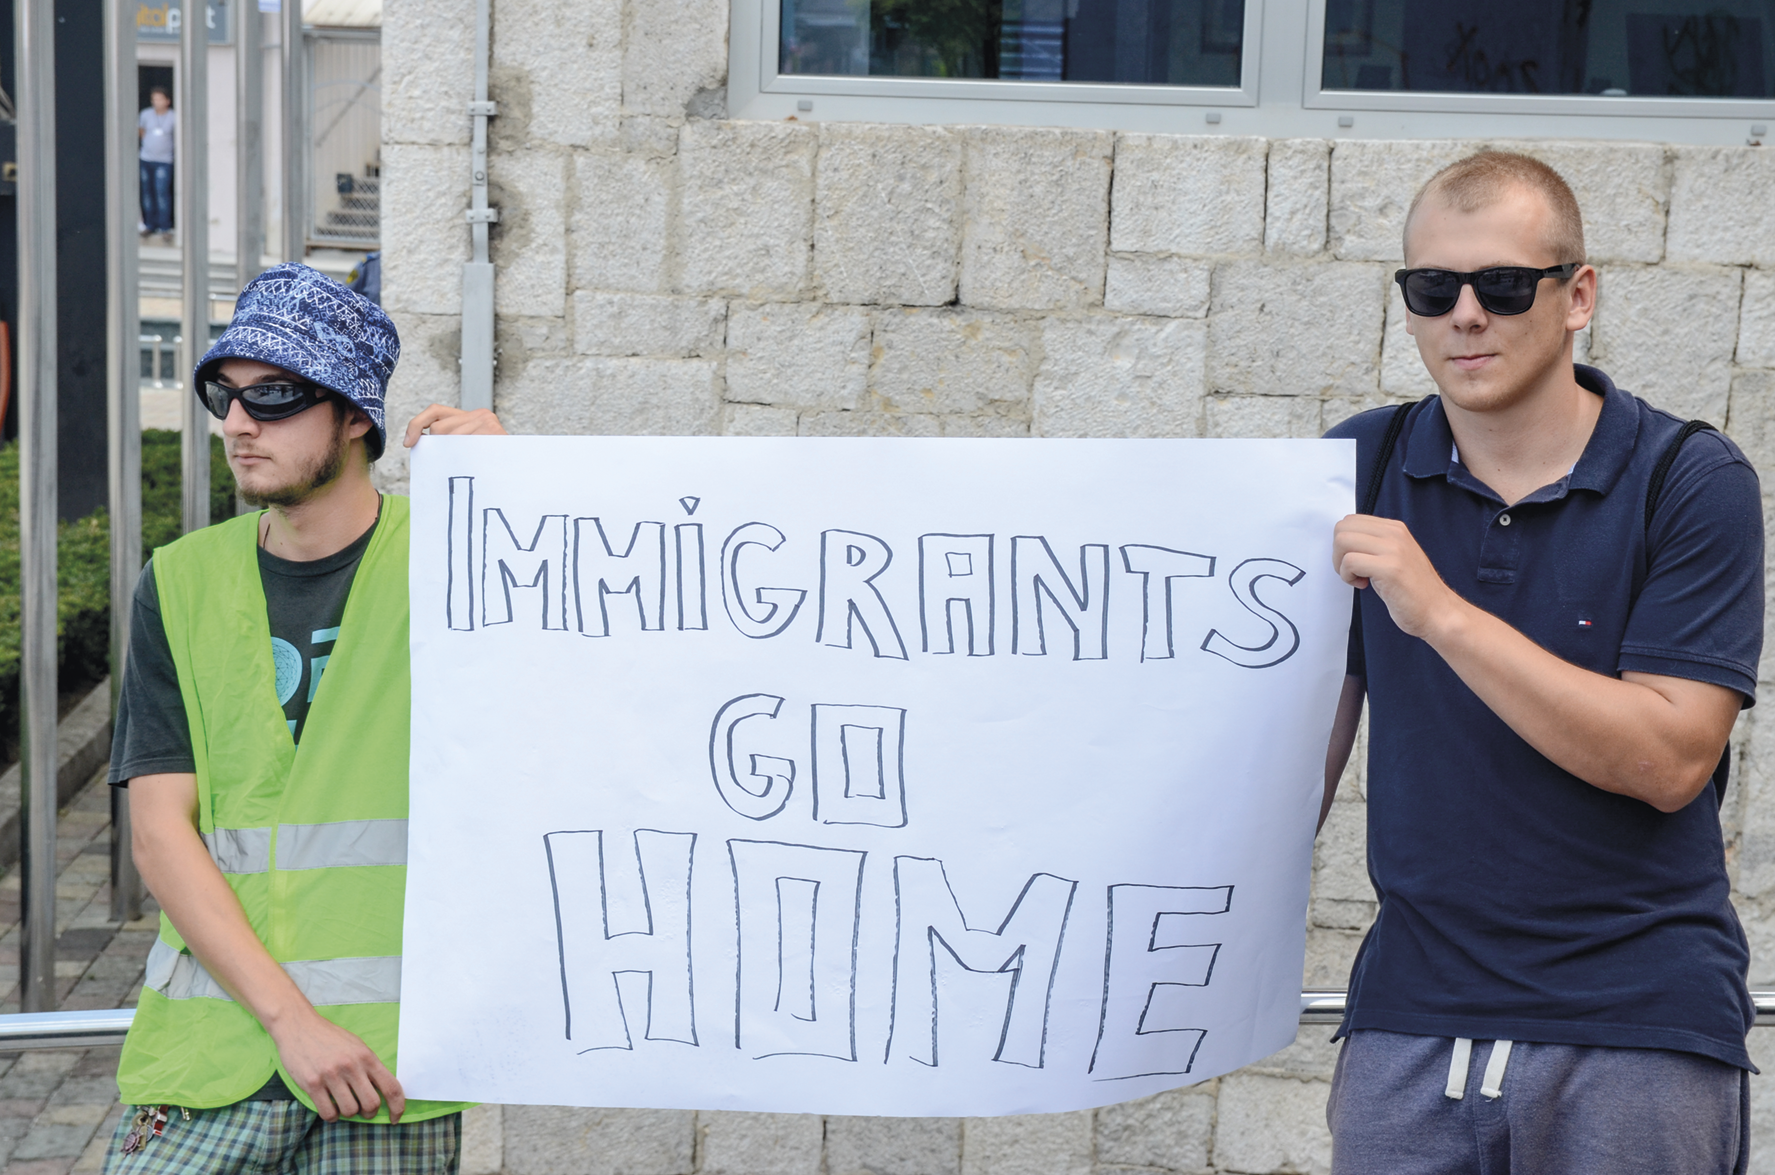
{"x": 1430, "y": 446}
{"x": 1611, "y": 443}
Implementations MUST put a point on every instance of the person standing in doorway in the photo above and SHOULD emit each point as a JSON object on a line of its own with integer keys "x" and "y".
{"x": 156, "y": 129}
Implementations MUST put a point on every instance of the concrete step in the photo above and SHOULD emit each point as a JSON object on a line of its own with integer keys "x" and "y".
{"x": 161, "y": 271}
{"x": 83, "y": 745}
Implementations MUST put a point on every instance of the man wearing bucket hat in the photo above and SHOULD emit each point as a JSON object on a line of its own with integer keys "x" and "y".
{"x": 265, "y": 1036}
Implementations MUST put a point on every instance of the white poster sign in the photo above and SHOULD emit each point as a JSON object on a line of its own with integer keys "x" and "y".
{"x": 903, "y": 777}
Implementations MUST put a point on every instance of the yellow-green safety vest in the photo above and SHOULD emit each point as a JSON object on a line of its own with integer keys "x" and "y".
{"x": 313, "y": 841}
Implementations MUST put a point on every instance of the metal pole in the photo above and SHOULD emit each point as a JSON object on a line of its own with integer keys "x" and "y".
{"x": 194, "y": 236}
{"x": 123, "y": 435}
{"x": 34, "y": 41}
{"x": 477, "y": 272}
{"x": 249, "y": 167}
{"x": 295, "y": 133}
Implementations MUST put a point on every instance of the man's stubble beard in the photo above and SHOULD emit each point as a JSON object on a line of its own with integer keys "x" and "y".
{"x": 1502, "y": 393}
{"x": 1530, "y": 366}
{"x": 320, "y": 473}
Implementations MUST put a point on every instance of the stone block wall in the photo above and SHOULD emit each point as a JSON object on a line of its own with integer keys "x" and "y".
{"x": 662, "y": 270}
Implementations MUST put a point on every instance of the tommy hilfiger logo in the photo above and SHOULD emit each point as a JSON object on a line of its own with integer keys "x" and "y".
{"x": 1585, "y": 623}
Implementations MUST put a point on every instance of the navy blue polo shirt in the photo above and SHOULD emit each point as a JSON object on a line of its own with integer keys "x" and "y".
{"x": 1518, "y": 902}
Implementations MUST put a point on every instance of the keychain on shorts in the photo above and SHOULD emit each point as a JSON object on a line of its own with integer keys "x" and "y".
{"x": 138, "y": 1127}
{"x": 149, "y": 1122}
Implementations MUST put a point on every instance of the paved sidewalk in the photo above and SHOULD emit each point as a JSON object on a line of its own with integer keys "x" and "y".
{"x": 59, "y": 1106}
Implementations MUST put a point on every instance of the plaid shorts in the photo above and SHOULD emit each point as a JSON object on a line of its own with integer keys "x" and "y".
{"x": 286, "y": 1138}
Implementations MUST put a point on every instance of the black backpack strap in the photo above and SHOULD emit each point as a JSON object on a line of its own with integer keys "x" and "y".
{"x": 1722, "y": 774}
{"x": 1371, "y": 494}
{"x": 1660, "y": 471}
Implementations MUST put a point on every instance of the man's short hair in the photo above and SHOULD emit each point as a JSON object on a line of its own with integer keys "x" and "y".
{"x": 1478, "y": 181}
{"x": 162, "y": 91}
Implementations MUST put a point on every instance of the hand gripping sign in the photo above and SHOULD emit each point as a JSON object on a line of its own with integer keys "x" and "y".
{"x": 863, "y": 776}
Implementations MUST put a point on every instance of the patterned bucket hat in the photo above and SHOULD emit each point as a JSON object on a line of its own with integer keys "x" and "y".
{"x": 303, "y": 321}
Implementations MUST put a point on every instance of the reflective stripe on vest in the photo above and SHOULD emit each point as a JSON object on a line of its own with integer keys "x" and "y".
{"x": 341, "y": 843}
{"x": 310, "y": 846}
{"x": 348, "y": 981}
{"x": 179, "y": 976}
{"x": 240, "y": 850}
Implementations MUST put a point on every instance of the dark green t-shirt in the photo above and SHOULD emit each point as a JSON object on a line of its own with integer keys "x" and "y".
{"x": 304, "y": 602}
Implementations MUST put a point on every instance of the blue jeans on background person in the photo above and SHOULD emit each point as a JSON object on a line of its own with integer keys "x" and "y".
{"x": 157, "y": 196}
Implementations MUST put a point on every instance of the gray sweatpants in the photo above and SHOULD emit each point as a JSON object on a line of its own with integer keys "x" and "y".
{"x": 1556, "y": 1109}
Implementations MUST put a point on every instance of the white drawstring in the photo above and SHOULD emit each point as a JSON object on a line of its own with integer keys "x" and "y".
{"x": 1457, "y": 1068}
{"x": 1491, "y": 1084}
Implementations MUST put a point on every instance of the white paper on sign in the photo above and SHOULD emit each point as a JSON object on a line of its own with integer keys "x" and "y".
{"x": 863, "y": 776}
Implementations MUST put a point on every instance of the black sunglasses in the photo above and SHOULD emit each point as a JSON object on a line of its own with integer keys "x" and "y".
{"x": 262, "y": 401}
{"x": 1503, "y": 289}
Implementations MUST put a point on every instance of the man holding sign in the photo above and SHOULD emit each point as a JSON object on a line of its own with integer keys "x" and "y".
{"x": 268, "y": 1016}
{"x": 1561, "y": 621}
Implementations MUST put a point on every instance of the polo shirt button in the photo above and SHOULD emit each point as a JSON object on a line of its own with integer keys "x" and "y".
{"x": 1503, "y": 520}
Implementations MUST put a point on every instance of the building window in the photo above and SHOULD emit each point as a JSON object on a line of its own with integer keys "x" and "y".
{"x": 1611, "y": 48}
{"x": 1147, "y": 42}
{"x": 1681, "y": 71}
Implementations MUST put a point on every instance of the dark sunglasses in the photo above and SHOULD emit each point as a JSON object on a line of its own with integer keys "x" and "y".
{"x": 1503, "y": 289}
{"x": 262, "y": 401}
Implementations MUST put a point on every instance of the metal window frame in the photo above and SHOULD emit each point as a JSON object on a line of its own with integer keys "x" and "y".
{"x": 1315, "y": 97}
{"x": 1280, "y": 97}
{"x": 756, "y": 30}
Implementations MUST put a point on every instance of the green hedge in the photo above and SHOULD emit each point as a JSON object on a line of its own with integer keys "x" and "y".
{"x": 83, "y": 566}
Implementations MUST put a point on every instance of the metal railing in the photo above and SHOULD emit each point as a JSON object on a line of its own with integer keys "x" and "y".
{"x": 1325, "y": 1005}
{"x": 64, "y": 1030}
{"x": 85, "y": 1030}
